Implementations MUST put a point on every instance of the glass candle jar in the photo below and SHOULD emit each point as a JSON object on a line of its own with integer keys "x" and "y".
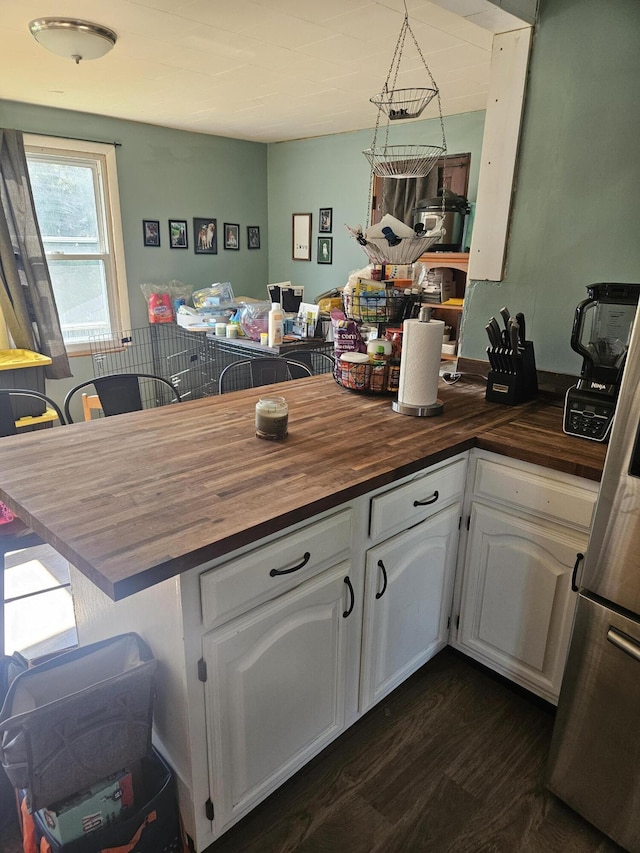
{"x": 272, "y": 418}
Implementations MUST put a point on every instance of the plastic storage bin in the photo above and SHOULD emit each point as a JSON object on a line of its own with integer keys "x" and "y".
{"x": 21, "y": 368}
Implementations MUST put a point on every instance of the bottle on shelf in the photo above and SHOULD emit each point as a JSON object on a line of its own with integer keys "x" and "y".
{"x": 276, "y": 323}
{"x": 379, "y": 349}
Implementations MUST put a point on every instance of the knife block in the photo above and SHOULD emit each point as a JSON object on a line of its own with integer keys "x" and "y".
{"x": 518, "y": 382}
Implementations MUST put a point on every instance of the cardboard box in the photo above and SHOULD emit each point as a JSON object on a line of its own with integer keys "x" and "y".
{"x": 102, "y": 804}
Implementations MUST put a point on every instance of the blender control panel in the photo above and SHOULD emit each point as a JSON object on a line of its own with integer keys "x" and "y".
{"x": 587, "y": 417}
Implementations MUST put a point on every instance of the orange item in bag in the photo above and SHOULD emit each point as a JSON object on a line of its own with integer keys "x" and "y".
{"x": 160, "y": 310}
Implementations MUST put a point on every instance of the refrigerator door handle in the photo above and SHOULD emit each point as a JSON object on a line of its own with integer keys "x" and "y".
{"x": 574, "y": 585}
{"x": 624, "y": 643}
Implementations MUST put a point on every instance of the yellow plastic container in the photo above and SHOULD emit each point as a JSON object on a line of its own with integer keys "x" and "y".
{"x": 22, "y": 368}
{"x": 10, "y": 359}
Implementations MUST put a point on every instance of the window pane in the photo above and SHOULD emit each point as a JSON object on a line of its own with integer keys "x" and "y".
{"x": 64, "y": 196}
{"x": 80, "y": 289}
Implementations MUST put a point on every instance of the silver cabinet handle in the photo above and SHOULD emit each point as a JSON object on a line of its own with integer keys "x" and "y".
{"x": 626, "y": 644}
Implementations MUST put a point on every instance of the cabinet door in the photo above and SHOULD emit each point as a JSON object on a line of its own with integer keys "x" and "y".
{"x": 409, "y": 581}
{"x": 517, "y": 607}
{"x": 275, "y": 690}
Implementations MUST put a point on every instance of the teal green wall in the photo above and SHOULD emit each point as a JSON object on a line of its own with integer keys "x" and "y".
{"x": 331, "y": 171}
{"x": 170, "y": 174}
{"x": 576, "y": 211}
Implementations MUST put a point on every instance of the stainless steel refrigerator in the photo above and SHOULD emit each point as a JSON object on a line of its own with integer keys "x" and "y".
{"x": 594, "y": 763}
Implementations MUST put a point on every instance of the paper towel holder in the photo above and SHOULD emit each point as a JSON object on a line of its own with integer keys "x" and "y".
{"x": 431, "y": 409}
{"x": 418, "y": 411}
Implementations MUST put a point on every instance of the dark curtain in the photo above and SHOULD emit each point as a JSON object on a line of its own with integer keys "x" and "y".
{"x": 401, "y": 195}
{"x": 26, "y": 295}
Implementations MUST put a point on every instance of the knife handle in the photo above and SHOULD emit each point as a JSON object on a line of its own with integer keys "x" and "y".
{"x": 514, "y": 335}
{"x": 523, "y": 332}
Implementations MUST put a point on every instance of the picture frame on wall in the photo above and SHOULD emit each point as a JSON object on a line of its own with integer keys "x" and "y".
{"x": 326, "y": 220}
{"x": 151, "y": 232}
{"x": 178, "y": 238}
{"x": 231, "y": 236}
{"x": 301, "y": 236}
{"x": 205, "y": 235}
{"x": 253, "y": 237}
{"x": 325, "y": 250}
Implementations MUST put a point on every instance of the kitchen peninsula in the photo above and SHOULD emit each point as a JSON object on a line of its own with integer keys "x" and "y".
{"x": 253, "y": 568}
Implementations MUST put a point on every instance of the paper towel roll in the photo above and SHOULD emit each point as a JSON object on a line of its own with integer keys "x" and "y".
{"x": 420, "y": 364}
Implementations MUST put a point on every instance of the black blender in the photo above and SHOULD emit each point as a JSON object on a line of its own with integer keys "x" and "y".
{"x": 601, "y": 332}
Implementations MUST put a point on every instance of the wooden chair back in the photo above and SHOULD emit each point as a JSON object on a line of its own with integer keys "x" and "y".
{"x": 90, "y": 403}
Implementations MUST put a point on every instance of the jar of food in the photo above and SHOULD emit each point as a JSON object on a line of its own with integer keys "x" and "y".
{"x": 272, "y": 418}
{"x": 354, "y": 370}
{"x": 395, "y": 336}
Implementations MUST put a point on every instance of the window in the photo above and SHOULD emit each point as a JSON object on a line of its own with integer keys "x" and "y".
{"x": 75, "y": 191}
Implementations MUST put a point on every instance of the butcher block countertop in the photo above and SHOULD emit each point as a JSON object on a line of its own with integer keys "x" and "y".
{"x": 135, "y": 499}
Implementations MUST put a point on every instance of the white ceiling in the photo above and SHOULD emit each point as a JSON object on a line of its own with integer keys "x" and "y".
{"x": 263, "y": 70}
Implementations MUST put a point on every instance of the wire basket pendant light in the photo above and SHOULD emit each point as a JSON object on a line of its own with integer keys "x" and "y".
{"x": 404, "y": 161}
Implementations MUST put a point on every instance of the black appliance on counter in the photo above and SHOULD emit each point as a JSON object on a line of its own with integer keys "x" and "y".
{"x": 601, "y": 333}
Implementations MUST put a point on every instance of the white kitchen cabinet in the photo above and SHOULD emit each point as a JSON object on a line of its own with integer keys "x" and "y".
{"x": 526, "y": 528}
{"x": 408, "y": 589}
{"x": 260, "y": 668}
{"x": 260, "y": 656}
{"x": 275, "y": 689}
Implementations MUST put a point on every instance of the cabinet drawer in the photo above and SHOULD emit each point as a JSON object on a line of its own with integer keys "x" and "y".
{"x": 558, "y": 500}
{"x": 241, "y": 584}
{"x": 408, "y": 504}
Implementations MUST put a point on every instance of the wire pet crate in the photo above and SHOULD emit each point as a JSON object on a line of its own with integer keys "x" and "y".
{"x": 184, "y": 358}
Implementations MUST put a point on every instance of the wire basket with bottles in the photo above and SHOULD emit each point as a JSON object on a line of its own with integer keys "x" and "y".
{"x": 376, "y": 303}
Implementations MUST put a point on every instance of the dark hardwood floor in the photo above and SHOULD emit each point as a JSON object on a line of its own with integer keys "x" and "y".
{"x": 452, "y": 762}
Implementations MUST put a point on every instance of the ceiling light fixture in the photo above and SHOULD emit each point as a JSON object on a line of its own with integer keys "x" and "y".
{"x": 73, "y": 38}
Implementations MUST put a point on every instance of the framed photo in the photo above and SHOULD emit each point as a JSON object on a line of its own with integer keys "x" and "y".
{"x": 253, "y": 237}
{"x": 301, "y": 228}
{"x": 326, "y": 220}
{"x": 205, "y": 236}
{"x": 178, "y": 234}
{"x": 325, "y": 250}
{"x": 231, "y": 236}
{"x": 151, "y": 232}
